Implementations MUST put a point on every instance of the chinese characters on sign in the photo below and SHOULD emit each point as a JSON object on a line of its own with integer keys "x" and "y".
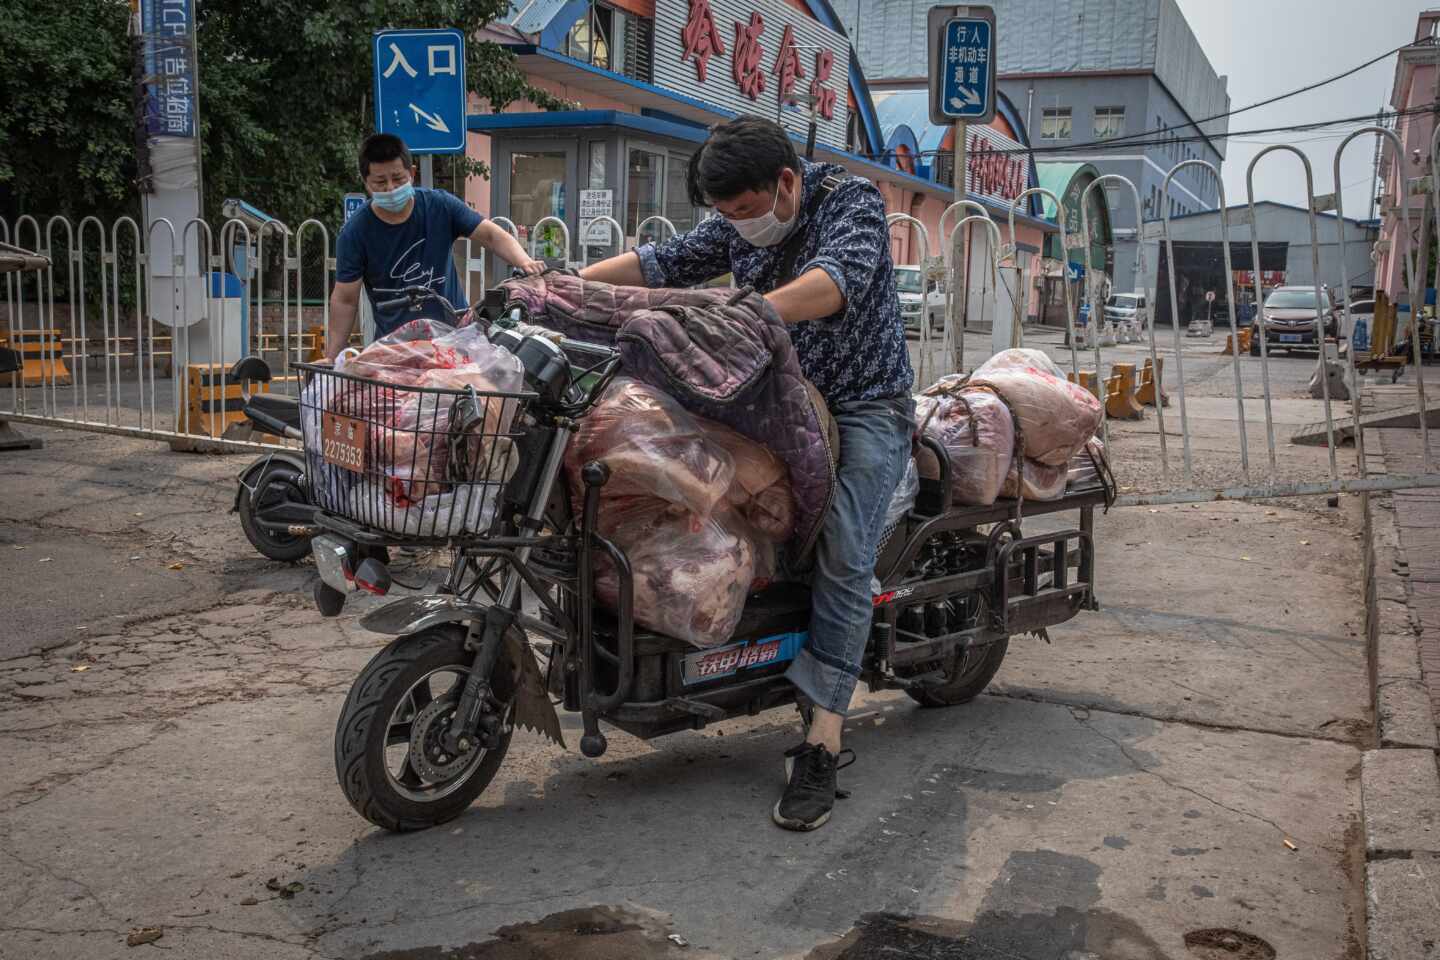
{"x": 749, "y": 77}
{"x": 962, "y": 64}
{"x": 995, "y": 172}
{"x": 995, "y": 165}
{"x": 700, "y": 37}
{"x": 420, "y": 93}
{"x": 168, "y": 29}
{"x": 787, "y": 64}
{"x": 825, "y": 95}
{"x": 771, "y": 48}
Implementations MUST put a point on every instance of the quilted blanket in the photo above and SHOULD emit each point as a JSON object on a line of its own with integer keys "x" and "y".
{"x": 723, "y": 354}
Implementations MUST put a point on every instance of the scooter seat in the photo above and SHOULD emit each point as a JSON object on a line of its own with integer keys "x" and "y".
{"x": 282, "y": 408}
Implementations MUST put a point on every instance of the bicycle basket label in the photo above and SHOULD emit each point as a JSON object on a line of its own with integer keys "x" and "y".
{"x": 344, "y": 441}
{"x": 714, "y": 664}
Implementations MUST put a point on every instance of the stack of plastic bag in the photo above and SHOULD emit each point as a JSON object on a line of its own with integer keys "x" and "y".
{"x": 1010, "y": 429}
{"x": 435, "y": 462}
{"x": 697, "y": 508}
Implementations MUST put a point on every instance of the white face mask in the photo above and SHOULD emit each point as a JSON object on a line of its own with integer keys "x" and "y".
{"x": 767, "y": 229}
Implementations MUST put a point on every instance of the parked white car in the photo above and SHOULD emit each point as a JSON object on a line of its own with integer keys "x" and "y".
{"x": 909, "y": 284}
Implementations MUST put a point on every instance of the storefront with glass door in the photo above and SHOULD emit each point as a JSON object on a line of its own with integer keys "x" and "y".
{"x": 584, "y": 166}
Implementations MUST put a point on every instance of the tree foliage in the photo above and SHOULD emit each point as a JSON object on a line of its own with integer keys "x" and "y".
{"x": 284, "y": 99}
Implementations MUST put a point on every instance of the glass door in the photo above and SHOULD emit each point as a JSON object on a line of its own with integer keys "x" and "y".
{"x": 537, "y": 191}
{"x": 644, "y": 193}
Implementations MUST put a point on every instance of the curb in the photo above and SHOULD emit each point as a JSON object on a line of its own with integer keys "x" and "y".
{"x": 1399, "y": 779}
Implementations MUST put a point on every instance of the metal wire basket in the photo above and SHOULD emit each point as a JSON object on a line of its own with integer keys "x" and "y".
{"x": 410, "y": 463}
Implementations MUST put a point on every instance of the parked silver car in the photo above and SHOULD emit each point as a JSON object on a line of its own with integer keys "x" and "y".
{"x": 1290, "y": 314}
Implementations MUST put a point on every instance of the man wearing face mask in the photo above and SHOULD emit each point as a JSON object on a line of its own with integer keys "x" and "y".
{"x": 403, "y": 237}
{"x": 817, "y": 245}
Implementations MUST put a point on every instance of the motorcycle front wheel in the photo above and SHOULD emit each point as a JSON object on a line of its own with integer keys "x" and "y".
{"x": 279, "y": 483}
{"x": 389, "y": 755}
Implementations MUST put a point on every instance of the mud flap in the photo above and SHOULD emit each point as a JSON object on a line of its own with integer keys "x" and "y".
{"x": 533, "y": 708}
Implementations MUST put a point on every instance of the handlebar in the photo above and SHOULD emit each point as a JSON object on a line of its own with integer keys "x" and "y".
{"x": 414, "y": 296}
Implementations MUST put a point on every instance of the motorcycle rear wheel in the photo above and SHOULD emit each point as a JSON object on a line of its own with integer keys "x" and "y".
{"x": 967, "y": 679}
{"x": 277, "y": 480}
{"x": 378, "y": 725}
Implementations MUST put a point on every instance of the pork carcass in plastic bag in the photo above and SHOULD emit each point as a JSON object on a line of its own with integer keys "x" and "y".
{"x": 1036, "y": 480}
{"x": 690, "y": 574}
{"x": 654, "y": 448}
{"x": 401, "y": 356}
{"x": 1055, "y": 416}
{"x": 978, "y": 434}
{"x": 760, "y": 491}
{"x": 1045, "y": 482}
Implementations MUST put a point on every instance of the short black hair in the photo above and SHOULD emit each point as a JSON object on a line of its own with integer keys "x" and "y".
{"x": 747, "y": 153}
{"x": 382, "y": 148}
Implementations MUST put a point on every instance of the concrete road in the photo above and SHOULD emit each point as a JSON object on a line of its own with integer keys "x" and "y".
{"x": 1173, "y": 777}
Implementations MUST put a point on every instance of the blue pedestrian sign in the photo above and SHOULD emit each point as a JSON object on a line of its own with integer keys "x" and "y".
{"x": 420, "y": 88}
{"x": 353, "y": 203}
{"x": 962, "y": 59}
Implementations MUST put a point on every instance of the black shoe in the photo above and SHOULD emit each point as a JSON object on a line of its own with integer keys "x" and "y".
{"x": 811, "y": 793}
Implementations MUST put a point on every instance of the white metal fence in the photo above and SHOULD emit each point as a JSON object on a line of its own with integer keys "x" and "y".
{"x": 111, "y": 328}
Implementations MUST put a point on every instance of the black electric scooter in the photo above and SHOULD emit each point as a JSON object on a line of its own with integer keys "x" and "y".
{"x": 428, "y": 722}
{"x": 271, "y": 497}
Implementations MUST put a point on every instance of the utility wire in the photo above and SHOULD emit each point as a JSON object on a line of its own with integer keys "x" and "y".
{"x": 1427, "y": 41}
{"x": 1139, "y": 139}
{"x": 1114, "y": 144}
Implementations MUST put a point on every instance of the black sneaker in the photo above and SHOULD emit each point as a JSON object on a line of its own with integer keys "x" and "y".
{"x": 811, "y": 793}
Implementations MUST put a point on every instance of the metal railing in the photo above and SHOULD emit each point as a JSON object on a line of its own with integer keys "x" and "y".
{"x": 112, "y": 328}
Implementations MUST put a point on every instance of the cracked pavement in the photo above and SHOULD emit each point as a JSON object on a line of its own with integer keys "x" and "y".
{"x": 166, "y": 741}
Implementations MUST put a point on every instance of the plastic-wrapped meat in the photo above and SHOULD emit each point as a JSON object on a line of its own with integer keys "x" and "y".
{"x": 404, "y": 356}
{"x": 409, "y": 451}
{"x": 978, "y": 435}
{"x": 691, "y": 574}
{"x": 1041, "y": 481}
{"x": 653, "y": 448}
{"x": 1055, "y": 416}
{"x": 761, "y": 490}
{"x": 1045, "y": 482}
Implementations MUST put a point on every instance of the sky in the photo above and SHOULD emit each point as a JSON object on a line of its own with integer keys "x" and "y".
{"x": 1267, "y": 47}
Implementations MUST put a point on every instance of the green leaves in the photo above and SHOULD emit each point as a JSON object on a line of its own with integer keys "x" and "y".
{"x": 284, "y": 100}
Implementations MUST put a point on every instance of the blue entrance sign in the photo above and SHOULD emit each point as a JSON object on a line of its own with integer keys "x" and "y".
{"x": 962, "y": 78}
{"x": 420, "y": 88}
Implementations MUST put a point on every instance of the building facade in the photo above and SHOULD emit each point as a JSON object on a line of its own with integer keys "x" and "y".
{"x": 1096, "y": 73}
{"x": 1411, "y": 94}
{"x": 1287, "y": 256}
{"x": 647, "y": 77}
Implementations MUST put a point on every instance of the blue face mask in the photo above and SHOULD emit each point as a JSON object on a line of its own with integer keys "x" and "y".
{"x": 393, "y": 200}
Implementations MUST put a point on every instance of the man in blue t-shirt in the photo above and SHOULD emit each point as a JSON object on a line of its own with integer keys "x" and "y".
{"x": 402, "y": 238}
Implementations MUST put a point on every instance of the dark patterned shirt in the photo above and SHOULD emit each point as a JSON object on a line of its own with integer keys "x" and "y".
{"x": 856, "y": 354}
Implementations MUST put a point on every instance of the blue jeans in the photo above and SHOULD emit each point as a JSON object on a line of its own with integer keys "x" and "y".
{"x": 874, "y": 445}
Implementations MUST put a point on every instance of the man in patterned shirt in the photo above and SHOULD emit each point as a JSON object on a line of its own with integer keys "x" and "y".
{"x": 817, "y": 245}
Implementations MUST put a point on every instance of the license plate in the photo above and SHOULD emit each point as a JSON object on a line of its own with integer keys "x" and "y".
{"x": 706, "y": 665}
{"x": 1291, "y": 338}
{"x": 344, "y": 441}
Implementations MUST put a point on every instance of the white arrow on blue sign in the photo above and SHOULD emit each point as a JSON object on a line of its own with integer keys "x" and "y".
{"x": 962, "y": 85}
{"x": 420, "y": 88}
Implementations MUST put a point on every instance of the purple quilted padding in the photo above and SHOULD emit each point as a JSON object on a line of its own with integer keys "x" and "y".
{"x": 723, "y": 354}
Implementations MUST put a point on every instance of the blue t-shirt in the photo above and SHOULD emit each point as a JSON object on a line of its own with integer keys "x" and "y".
{"x": 391, "y": 257}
